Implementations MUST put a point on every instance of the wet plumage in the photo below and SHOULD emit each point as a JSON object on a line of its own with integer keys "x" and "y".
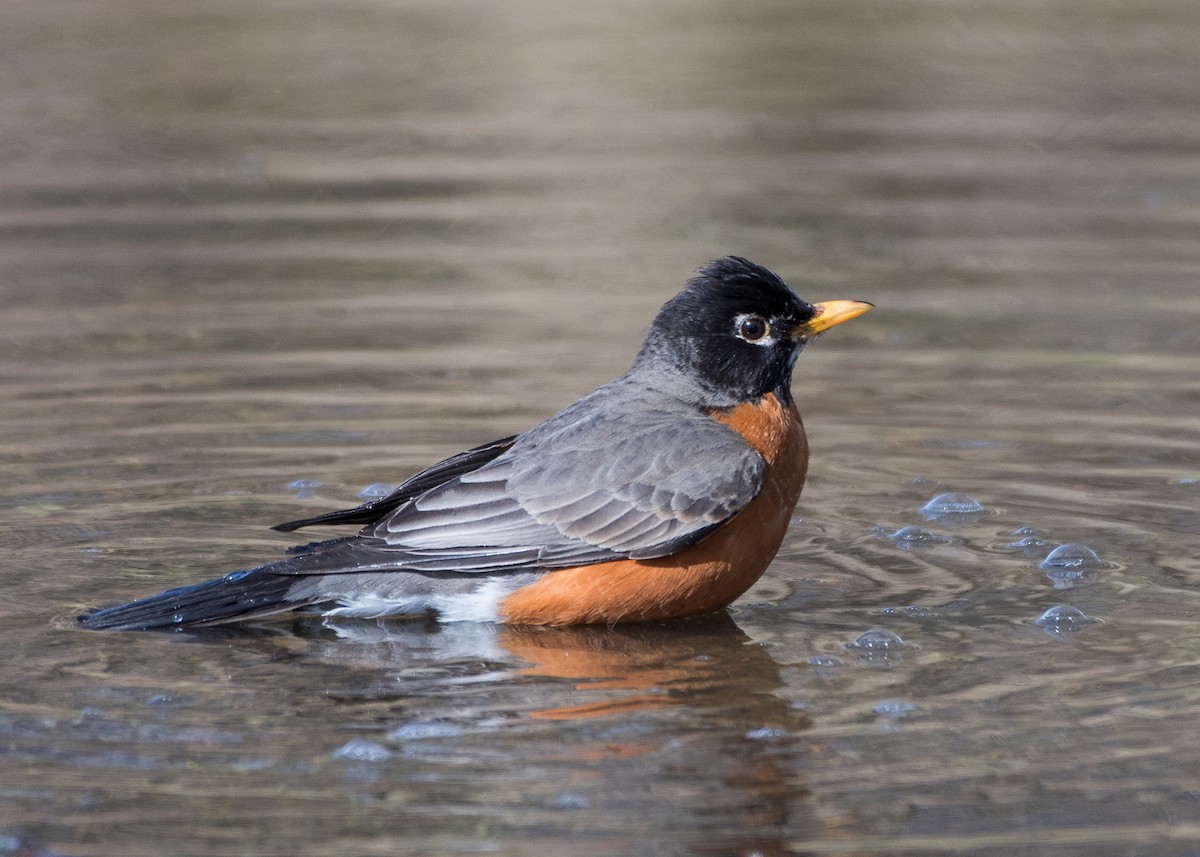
{"x": 643, "y": 469}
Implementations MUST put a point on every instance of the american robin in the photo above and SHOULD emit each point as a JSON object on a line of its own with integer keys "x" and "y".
{"x": 664, "y": 493}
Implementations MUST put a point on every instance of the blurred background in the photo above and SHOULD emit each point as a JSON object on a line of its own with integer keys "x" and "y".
{"x": 259, "y": 260}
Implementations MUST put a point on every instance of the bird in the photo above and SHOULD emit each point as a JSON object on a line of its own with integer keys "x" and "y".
{"x": 662, "y": 494}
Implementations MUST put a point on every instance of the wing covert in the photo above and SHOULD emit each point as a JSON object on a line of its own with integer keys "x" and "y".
{"x": 443, "y": 471}
{"x": 588, "y": 491}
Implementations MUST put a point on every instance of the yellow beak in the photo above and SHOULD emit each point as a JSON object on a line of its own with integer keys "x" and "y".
{"x": 830, "y": 313}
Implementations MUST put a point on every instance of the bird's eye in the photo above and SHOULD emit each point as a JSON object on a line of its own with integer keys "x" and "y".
{"x": 753, "y": 328}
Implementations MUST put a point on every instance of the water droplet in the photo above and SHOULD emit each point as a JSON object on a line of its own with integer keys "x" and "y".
{"x": 376, "y": 490}
{"x": 570, "y": 800}
{"x": 1063, "y": 618}
{"x": 237, "y": 575}
{"x": 177, "y": 618}
{"x": 908, "y": 538}
{"x": 877, "y": 639}
{"x": 894, "y": 708}
{"x": 951, "y": 503}
{"x": 361, "y": 750}
{"x": 162, "y": 699}
{"x": 1071, "y": 556}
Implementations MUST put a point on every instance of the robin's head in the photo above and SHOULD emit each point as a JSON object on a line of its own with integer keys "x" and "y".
{"x": 733, "y": 333}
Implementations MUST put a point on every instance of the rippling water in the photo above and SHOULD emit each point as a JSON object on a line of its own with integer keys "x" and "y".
{"x": 256, "y": 259}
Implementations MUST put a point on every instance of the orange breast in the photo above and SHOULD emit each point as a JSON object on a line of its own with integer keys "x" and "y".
{"x": 708, "y": 575}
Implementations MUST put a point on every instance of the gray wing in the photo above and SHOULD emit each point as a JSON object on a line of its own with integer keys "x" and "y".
{"x": 591, "y": 484}
{"x": 588, "y": 486}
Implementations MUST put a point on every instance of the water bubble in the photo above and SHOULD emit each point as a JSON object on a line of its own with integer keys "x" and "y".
{"x": 361, "y": 750}
{"x": 419, "y": 731}
{"x": 1029, "y": 545}
{"x": 908, "y": 538}
{"x": 304, "y": 488}
{"x": 951, "y": 504}
{"x": 1063, "y": 618}
{"x": 251, "y": 766}
{"x": 877, "y": 639}
{"x": 1064, "y": 578}
{"x": 912, "y": 611}
{"x": 376, "y": 490}
{"x": 1028, "y": 541}
{"x": 825, "y": 662}
{"x": 894, "y": 708}
{"x": 766, "y": 733}
{"x": 1071, "y": 556}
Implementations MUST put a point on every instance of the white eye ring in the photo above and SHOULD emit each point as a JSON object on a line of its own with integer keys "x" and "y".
{"x": 753, "y": 328}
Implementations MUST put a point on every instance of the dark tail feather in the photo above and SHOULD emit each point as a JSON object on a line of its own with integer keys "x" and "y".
{"x": 241, "y": 595}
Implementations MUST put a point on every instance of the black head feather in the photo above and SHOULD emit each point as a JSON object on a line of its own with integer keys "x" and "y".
{"x": 697, "y": 342}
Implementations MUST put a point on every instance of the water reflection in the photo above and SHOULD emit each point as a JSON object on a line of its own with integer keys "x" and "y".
{"x": 708, "y": 777}
{"x": 706, "y": 662}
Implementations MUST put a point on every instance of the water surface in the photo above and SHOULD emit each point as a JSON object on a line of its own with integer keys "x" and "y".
{"x": 258, "y": 258}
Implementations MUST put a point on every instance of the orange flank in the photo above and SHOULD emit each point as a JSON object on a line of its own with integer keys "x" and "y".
{"x": 702, "y": 578}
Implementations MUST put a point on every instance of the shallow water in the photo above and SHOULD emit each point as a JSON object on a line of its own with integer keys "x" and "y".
{"x": 256, "y": 259}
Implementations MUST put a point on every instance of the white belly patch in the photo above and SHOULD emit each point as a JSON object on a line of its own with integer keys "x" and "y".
{"x": 479, "y": 601}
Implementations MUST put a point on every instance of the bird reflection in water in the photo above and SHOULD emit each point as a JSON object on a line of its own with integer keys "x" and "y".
{"x": 692, "y": 712}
